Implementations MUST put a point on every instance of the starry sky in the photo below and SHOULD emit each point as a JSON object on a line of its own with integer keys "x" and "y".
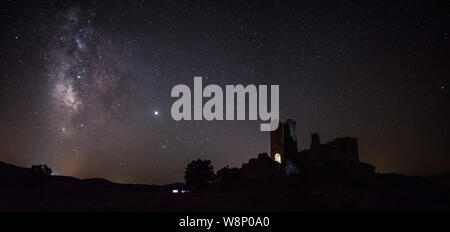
{"x": 85, "y": 85}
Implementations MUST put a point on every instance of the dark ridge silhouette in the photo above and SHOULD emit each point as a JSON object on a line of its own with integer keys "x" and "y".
{"x": 259, "y": 185}
{"x": 443, "y": 179}
{"x": 325, "y": 177}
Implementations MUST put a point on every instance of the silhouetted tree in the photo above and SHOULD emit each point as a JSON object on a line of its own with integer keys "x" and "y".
{"x": 41, "y": 170}
{"x": 199, "y": 173}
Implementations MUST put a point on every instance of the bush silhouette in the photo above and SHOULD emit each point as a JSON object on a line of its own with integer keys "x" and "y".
{"x": 198, "y": 173}
{"x": 41, "y": 170}
{"x": 228, "y": 178}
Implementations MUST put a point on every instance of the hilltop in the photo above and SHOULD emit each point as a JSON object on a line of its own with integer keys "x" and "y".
{"x": 260, "y": 187}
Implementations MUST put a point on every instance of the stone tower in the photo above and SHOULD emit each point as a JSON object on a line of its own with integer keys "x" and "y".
{"x": 283, "y": 142}
{"x": 277, "y": 144}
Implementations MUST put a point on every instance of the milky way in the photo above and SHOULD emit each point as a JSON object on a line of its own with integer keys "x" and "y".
{"x": 83, "y": 82}
{"x": 91, "y": 95}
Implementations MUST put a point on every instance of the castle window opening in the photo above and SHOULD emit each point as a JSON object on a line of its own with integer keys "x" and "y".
{"x": 278, "y": 158}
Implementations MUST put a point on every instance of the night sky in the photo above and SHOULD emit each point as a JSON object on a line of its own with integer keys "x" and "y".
{"x": 85, "y": 85}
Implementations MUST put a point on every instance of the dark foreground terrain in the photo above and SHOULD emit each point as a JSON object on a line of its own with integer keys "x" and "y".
{"x": 23, "y": 191}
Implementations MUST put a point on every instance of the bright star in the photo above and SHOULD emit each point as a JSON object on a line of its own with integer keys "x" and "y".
{"x": 156, "y": 113}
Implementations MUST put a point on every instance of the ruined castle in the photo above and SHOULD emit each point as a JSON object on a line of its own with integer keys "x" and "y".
{"x": 283, "y": 147}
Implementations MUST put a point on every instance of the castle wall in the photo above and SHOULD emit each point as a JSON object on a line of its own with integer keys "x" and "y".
{"x": 290, "y": 138}
{"x": 283, "y": 141}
